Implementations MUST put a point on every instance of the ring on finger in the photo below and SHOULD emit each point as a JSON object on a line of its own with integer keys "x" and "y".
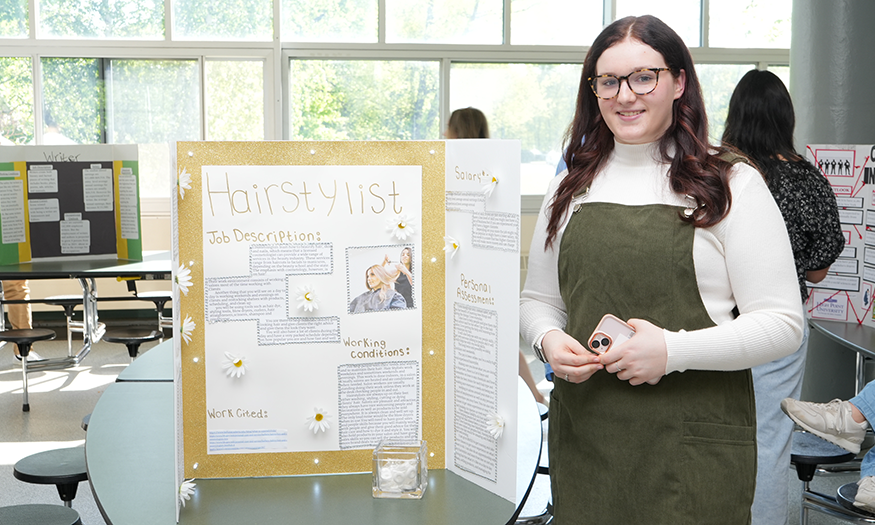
{"x": 566, "y": 377}
{"x": 618, "y": 367}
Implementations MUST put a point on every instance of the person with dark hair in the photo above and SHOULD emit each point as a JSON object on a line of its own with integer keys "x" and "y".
{"x": 760, "y": 125}
{"x": 401, "y": 273}
{"x": 471, "y": 123}
{"x": 467, "y": 123}
{"x": 653, "y": 225}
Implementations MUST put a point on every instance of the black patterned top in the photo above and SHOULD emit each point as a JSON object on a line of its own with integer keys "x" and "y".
{"x": 808, "y": 204}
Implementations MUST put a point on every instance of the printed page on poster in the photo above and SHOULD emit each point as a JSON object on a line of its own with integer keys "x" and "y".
{"x": 482, "y": 287}
{"x": 846, "y": 294}
{"x": 312, "y": 343}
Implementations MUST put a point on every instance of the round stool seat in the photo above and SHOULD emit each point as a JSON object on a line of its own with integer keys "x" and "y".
{"x": 845, "y": 496}
{"x": 160, "y": 298}
{"x": 68, "y": 302}
{"x": 131, "y": 335}
{"x": 61, "y": 300}
{"x": 62, "y": 467}
{"x": 26, "y": 335}
{"x": 39, "y": 513}
{"x": 132, "y": 338}
{"x": 808, "y": 451}
{"x": 157, "y": 295}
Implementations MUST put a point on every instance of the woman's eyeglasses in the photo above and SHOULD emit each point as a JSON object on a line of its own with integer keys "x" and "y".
{"x": 641, "y": 82}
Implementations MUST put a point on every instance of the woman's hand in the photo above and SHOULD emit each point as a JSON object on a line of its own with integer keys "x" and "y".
{"x": 641, "y": 359}
{"x": 569, "y": 359}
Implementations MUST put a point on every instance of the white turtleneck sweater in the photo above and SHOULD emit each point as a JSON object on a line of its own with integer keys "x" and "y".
{"x": 744, "y": 260}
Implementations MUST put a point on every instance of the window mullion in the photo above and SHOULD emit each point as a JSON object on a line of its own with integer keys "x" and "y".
{"x": 507, "y": 39}
{"x": 609, "y": 12}
{"x": 37, "y": 72}
{"x": 381, "y": 24}
{"x": 168, "y": 21}
{"x": 33, "y": 9}
{"x": 704, "y": 33}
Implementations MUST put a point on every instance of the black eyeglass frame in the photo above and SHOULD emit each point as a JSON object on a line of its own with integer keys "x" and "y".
{"x": 620, "y": 80}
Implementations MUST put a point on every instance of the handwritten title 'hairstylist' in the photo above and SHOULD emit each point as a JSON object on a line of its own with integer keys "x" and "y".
{"x": 326, "y": 196}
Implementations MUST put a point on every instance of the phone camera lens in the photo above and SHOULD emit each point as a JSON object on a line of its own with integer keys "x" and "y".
{"x": 605, "y": 341}
{"x": 595, "y": 343}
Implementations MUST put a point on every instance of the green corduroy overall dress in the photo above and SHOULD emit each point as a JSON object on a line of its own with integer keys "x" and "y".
{"x": 682, "y": 451}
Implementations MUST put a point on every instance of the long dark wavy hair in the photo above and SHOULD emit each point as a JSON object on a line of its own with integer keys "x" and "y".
{"x": 696, "y": 168}
{"x": 761, "y": 119}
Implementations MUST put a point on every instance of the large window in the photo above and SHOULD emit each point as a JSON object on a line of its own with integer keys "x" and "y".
{"x": 121, "y": 19}
{"x": 555, "y": 22}
{"x": 363, "y": 100}
{"x": 153, "y": 71}
{"x": 444, "y": 21}
{"x": 16, "y": 100}
{"x": 532, "y": 103}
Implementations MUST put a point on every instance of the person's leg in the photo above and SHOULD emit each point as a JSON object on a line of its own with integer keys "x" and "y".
{"x": 19, "y": 314}
{"x": 865, "y": 401}
{"x": 865, "y": 498}
{"x": 526, "y": 374}
{"x": 773, "y": 382}
{"x": 841, "y": 422}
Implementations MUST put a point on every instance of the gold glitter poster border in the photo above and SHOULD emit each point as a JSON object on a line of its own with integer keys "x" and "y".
{"x": 191, "y": 157}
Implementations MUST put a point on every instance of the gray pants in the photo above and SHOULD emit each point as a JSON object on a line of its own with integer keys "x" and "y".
{"x": 772, "y": 382}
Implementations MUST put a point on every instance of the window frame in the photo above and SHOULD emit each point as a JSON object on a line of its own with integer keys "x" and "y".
{"x": 276, "y": 56}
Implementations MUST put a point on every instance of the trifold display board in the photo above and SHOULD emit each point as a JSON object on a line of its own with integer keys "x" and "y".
{"x": 332, "y": 295}
{"x": 69, "y": 201}
{"x": 846, "y": 294}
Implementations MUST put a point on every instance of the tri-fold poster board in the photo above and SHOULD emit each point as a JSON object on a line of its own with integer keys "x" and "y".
{"x": 846, "y": 294}
{"x": 333, "y": 295}
{"x": 59, "y": 202}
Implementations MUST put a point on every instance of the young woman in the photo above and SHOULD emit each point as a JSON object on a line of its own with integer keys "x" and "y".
{"x": 401, "y": 273}
{"x": 760, "y": 124}
{"x": 380, "y": 295}
{"x": 650, "y": 224}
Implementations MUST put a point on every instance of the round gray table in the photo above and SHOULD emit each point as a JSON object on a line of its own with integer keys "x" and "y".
{"x": 130, "y": 455}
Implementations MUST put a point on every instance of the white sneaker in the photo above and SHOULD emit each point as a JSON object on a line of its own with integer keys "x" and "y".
{"x": 865, "y": 499}
{"x": 831, "y": 421}
{"x": 32, "y": 357}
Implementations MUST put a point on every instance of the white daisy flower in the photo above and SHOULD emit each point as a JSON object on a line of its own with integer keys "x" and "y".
{"x": 306, "y": 297}
{"x": 489, "y": 187}
{"x": 451, "y": 246}
{"x": 187, "y": 328}
{"x": 183, "y": 279}
{"x": 318, "y": 421}
{"x": 401, "y": 226}
{"x": 183, "y": 182}
{"x": 186, "y": 490}
{"x": 234, "y": 366}
{"x": 495, "y": 426}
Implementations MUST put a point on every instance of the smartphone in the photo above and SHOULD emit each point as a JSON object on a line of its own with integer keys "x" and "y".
{"x": 610, "y": 331}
